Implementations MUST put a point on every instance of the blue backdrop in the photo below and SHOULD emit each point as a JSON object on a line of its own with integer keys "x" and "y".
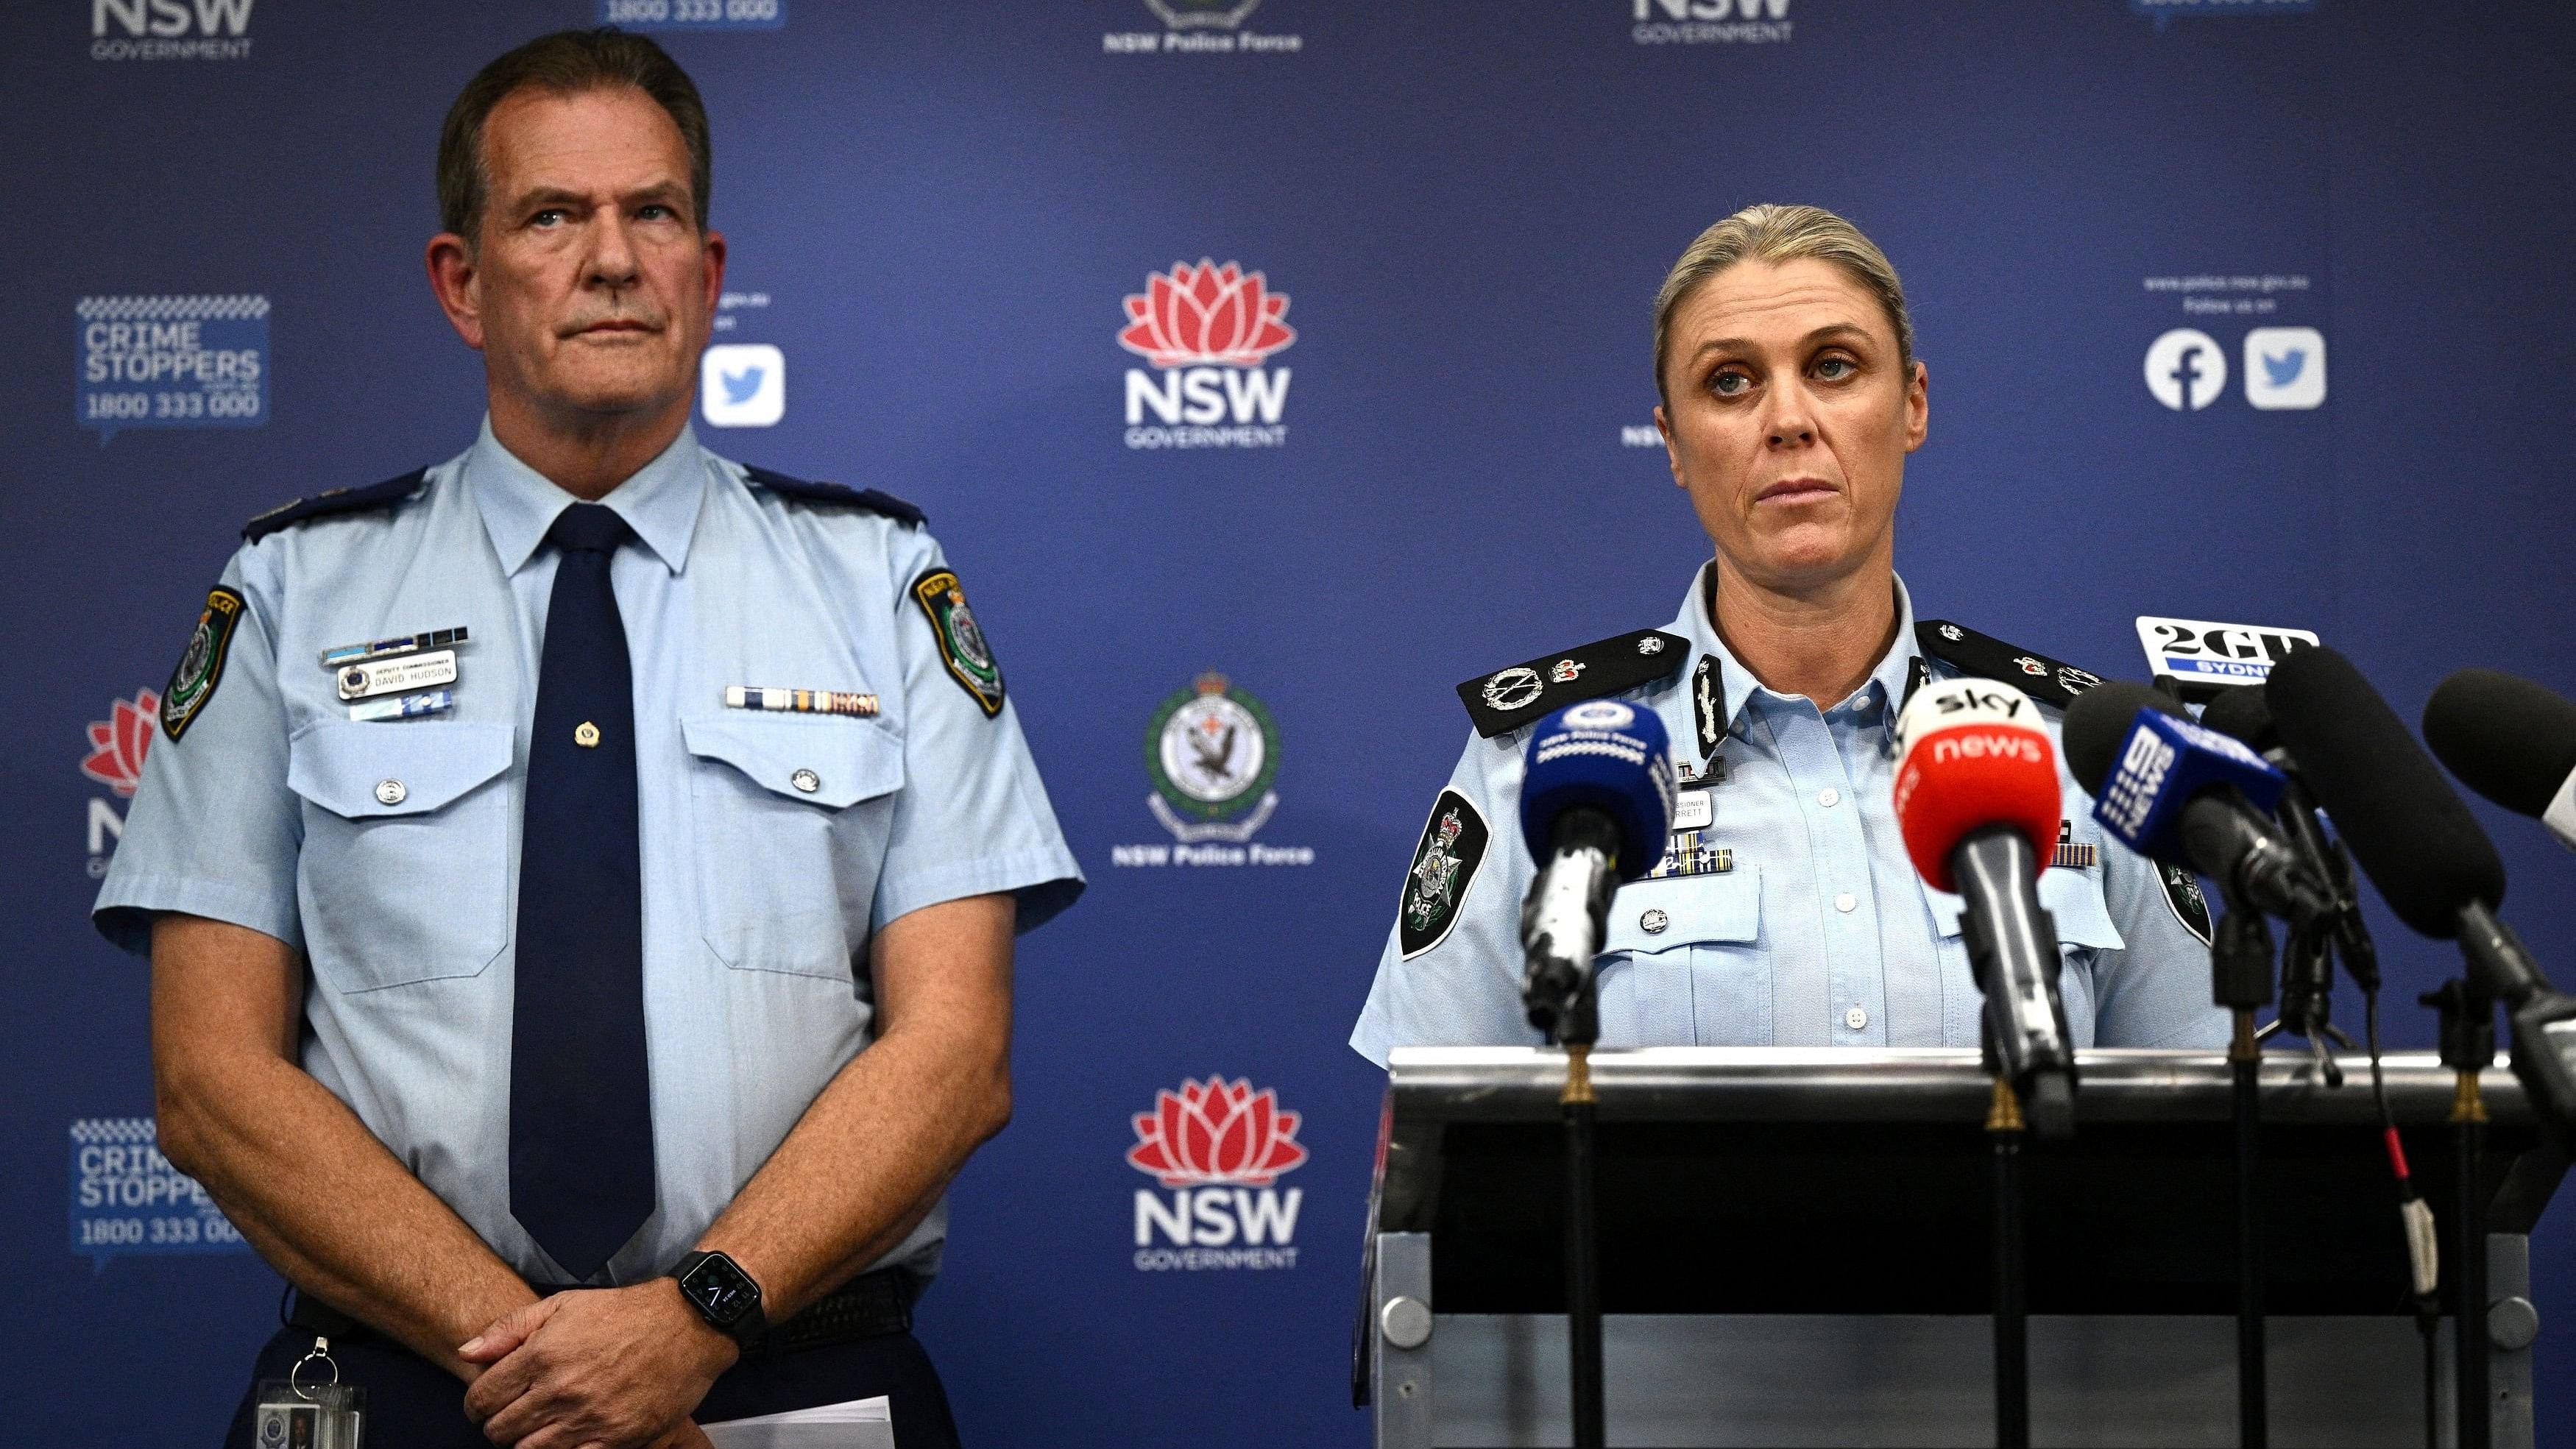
{"x": 936, "y": 214}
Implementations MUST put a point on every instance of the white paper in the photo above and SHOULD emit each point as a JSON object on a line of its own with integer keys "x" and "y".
{"x": 856, "y": 1424}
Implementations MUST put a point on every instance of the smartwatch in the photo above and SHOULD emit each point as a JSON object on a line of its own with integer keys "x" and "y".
{"x": 724, "y": 1296}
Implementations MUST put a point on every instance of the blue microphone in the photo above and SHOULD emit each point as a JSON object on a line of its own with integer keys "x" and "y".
{"x": 1596, "y": 804}
{"x": 2182, "y": 794}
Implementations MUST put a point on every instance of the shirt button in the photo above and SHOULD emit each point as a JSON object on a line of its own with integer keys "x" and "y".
{"x": 390, "y": 792}
{"x": 1653, "y": 922}
{"x": 1829, "y": 797}
{"x": 806, "y": 781}
{"x": 1847, "y": 902}
{"x": 1857, "y": 1019}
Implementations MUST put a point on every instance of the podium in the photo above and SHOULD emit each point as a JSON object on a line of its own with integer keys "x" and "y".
{"x": 1794, "y": 1251}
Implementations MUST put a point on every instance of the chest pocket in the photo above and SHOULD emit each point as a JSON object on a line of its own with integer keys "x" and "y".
{"x": 404, "y": 874}
{"x": 782, "y": 871}
{"x": 2074, "y": 900}
{"x": 1685, "y": 964}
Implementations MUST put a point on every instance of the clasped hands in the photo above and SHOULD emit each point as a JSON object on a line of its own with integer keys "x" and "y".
{"x": 616, "y": 1368}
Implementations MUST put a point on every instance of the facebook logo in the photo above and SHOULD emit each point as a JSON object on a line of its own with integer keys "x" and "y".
{"x": 2285, "y": 367}
{"x": 2186, "y": 369}
{"x": 743, "y": 385}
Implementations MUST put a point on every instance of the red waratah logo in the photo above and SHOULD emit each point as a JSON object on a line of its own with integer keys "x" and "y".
{"x": 1207, "y": 314}
{"x": 1213, "y": 1132}
{"x": 118, "y": 743}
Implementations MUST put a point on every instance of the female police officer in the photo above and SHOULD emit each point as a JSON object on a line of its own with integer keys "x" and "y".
{"x": 1786, "y": 911}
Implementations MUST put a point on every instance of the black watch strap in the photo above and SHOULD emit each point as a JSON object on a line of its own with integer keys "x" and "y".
{"x": 724, "y": 1295}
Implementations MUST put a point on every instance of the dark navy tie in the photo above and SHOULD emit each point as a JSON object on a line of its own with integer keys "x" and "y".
{"x": 581, "y": 1114}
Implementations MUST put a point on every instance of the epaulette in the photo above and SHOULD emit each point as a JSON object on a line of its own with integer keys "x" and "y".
{"x": 2052, "y": 682}
{"x": 1506, "y": 699}
{"x": 331, "y": 502}
{"x": 840, "y": 493}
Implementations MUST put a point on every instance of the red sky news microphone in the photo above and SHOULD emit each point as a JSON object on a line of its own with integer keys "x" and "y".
{"x": 2511, "y": 741}
{"x": 1977, "y": 801}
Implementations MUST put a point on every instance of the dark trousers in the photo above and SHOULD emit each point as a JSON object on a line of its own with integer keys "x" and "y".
{"x": 413, "y": 1404}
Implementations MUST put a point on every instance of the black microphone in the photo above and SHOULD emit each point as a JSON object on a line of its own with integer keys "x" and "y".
{"x": 2510, "y": 740}
{"x": 2418, "y": 843}
{"x": 2217, "y": 831}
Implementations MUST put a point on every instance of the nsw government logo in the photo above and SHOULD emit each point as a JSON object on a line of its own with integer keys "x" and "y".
{"x": 117, "y": 745}
{"x": 127, "y": 1198}
{"x": 1710, "y": 22}
{"x": 1212, "y": 751}
{"x": 1207, "y": 330}
{"x": 170, "y": 362}
{"x": 1218, "y": 1148}
{"x": 169, "y": 29}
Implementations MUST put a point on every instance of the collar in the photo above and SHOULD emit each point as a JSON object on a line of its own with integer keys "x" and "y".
{"x": 1884, "y": 690}
{"x": 660, "y": 501}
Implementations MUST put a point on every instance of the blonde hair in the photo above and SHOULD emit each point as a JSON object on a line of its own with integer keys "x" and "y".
{"x": 1777, "y": 234}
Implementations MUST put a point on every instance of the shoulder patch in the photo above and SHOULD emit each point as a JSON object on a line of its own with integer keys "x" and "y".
{"x": 2052, "y": 682}
{"x": 1444, "y": 866}
{"x": 331, "y": 502}
{"x": 202, "y": 667}
{"x": 1506, "y": 699}
{"x": 840, "y": 494}
{"x": 961, "y": 644}
{"x": 2182, "y": 893}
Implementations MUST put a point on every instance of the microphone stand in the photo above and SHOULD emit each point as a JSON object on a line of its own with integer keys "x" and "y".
{"x": 2468, "y": 1047}
{"x": 1578, "y": 1028}
{"x": 2241, "y": 981}
{"x": 2004, "y": 1127}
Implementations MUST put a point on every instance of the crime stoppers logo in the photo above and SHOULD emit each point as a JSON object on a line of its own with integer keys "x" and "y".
{"x": 1218, "y": 1149}
{"x": 170, "y": 362}
{"x": 1207, "y": 330}
{"x": 127, "y": 1198}
{"x": 1212, "y": 751}
{"x": 117, "y": 745}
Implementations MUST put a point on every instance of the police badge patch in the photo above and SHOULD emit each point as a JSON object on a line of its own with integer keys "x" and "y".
{"x": 961, "y": 644}
{"x": 1444, "y": 866}
{"x": 2182, "y": 893}
{"x": 202, "y": 667}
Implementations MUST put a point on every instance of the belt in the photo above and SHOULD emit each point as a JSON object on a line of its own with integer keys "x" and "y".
{"x": 871, "y": 1305}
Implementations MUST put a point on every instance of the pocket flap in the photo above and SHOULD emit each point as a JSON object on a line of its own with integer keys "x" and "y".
{"x": 1658, "y": 915}
{"x": 2073, "y": 898}
{"x": 823, "y": 761}
{"x": 358, "y": 769}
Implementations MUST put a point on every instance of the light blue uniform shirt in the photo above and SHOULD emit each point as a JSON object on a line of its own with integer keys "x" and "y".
{"x": 273, "y": 811}
{"x": 1821, "y": 934}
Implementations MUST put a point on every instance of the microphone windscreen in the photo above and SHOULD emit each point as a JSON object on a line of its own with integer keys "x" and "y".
{"x": 1972, "y": 753}
{"x": 2390, "y": 802}
{"x": 2243, "y": 714}
{"x": 2098, "y": 721}
{"x": 1604, "y": 755}
{"x": 2505, "y": 737}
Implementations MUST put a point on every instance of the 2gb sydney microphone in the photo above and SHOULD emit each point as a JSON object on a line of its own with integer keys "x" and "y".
{"x": 1596, "y": 803}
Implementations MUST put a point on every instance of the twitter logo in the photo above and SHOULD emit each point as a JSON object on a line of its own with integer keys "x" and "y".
{"x": 743, "y": 385}
{"x": 2285, "y": 367}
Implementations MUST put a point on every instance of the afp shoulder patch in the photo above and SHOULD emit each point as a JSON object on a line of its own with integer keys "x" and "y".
{"x": 839, "y": 494}
{"x": 193, "y": 683}
{"x": 332, "y": 502}
{"x": 1507, "y": 699}
{"x": 1444, "y": 866}
{"x": 2050, "y": 681}
{"x": 961, "y": 644}
{"x": 2182, "y": 893}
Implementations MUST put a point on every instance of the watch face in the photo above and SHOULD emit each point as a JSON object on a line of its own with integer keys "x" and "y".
{"x": 721, "y": 1290}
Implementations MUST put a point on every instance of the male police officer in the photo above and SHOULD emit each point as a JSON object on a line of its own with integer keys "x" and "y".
{"x": 1785, "y": 910}
{"x": 587, "y": 864}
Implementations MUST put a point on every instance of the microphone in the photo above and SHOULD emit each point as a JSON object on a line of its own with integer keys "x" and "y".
{"x": 1596, "y": 803}
{"x": 1978, "y": 805}
{"x": 2418, "y": 843}
{"x": 2511, "y": 741}
{"x": 2182, "y": 794}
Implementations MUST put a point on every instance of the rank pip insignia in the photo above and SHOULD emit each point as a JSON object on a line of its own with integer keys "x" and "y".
{"x": 961, "y": 644}
{"x": 1514, "y": 688}
{"x": 1444, "y": 867}
{"x": 1564, "y": 671}
{"x": 201, "y": 668}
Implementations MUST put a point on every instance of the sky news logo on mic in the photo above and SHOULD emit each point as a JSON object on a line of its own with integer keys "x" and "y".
{"x": 1208, "y": 333}
{"x": 1217, "y": 1150}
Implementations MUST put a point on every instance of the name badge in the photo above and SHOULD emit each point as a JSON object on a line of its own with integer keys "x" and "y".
{"x": 1693, "y": 810}
{"x": 398, "y": 676}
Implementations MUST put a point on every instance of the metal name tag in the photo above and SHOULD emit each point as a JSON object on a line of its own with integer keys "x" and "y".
{"x": 395, "y": 676}
{"x": 1693, "y": 810}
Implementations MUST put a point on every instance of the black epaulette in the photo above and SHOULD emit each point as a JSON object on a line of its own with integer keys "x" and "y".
{"x": 2052, "y": 682}
{"x": 1506, "y": 699}
{"x": 332, "y": 502}
{"x": 840, "y": 493}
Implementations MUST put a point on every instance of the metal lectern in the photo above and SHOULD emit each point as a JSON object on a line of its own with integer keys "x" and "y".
{"x": 1794, "y": 1251}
